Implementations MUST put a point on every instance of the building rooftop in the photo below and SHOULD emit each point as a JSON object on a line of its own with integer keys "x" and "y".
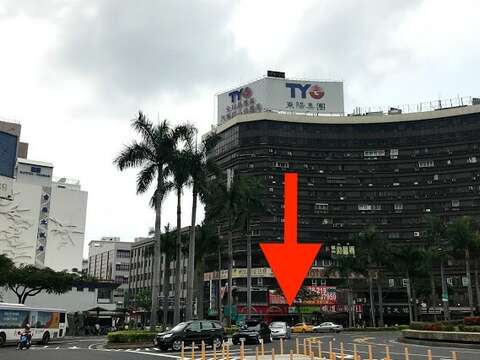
{"x": 34, "y": 162}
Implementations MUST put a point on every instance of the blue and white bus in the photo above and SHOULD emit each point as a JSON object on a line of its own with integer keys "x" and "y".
{"x": 45, "y": 324}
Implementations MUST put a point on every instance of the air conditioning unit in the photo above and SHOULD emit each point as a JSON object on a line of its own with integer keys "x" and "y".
{"x": 416, "y": 234}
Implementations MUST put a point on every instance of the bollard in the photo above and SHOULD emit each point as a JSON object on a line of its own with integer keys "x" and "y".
{"x": 310, "y": 349}
{"x": 319, "y": 349}
{"x": 203, "y": 350}
{"x": 228, "y": 351}
{"x": 281, "y": 346}
{"x": 291, "y": 355}
{"x": 305, "y": 346}
{"x": 406, "y": 354}
{"x": 370, "y": 355}
{"x": 330, "y": 346}
{"x": 342, "y": 353}
{"x": 242, "y": 349}
{"x": 429, "y": 354}
{"x": 387, "y": 353}
{"x": 193, "y": 350}
{"x": 454, "y": 355}
{"x": 214, "y": 352}
{"x": 262, "y": 349}
{"x": 273, "y": 353}
{"x": 182, "y": 351}
{"x": 297, "y": 347}
{"x": 355, "y": 354}
{"x": 256, "y": 352}
{"x": 223, "y": 350}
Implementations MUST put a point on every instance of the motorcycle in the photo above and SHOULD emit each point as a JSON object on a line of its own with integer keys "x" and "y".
{"x": 24, "y": 341}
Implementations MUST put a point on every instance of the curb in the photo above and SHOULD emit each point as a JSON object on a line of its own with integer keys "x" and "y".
{"x": 128, "y": 345}
{"x": 439, "y": 343}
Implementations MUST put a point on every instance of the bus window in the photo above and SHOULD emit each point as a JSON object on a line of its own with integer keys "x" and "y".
{"x": 47, "y": 319}
{"x": 13, "y": 319}
{"x": 62, "y": 318}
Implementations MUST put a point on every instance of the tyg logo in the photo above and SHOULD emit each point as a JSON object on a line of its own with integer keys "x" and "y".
{"x": 314, "y": 91}
{"x": 236, "y": 95}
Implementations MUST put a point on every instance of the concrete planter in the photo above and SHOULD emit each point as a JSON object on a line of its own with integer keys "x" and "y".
{"x": 442, "y": 336}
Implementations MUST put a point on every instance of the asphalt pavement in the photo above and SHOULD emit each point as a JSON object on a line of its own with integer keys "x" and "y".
{"x": 92, "y": 348}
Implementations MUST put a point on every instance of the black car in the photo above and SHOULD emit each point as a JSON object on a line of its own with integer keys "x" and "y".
{"x": 211, "y": 332}
{"x": 252, "y": 332}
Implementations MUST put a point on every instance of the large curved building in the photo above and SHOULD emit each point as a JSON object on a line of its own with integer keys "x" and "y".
{"x": 389, "y": 170}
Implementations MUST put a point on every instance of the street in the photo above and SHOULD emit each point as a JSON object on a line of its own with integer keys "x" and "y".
{"x": 92, "y": 348}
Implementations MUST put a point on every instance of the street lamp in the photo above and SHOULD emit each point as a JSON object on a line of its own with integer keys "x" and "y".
{"x": 446, "y": 314}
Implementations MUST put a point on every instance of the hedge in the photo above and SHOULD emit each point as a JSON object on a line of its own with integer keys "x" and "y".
{"x": 389, "y": 328}
{"x": 132, "y": 336}
{"x": 472, "y": 320}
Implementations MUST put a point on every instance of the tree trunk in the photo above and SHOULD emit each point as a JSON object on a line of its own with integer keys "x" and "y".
{"x": 446, "y": 313}
{"x": 219, "y": 305}
{"x": 166, "y": 291}
{"x": 372, "y": 300}
{"x": 249, "y": 274}
{"x": 477, "y": 284}
{"x": 381, "y": 323}
{"x": 178, "y": 260}
{"x": 433, "y": 295}
{"x": 414, "y": 301}
{"x": 157, "y": 255}
{"x": 469, "y": 286}
{"x": 191, "y": 258}
{"x": 230, "y": 266}
{"x": 199, "y": 291}
{"x": 409, "y": 299}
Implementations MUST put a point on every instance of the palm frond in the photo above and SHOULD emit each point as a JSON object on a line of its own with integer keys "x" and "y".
{"x": 145, "y": 177}
{"x": 133, "y": 155}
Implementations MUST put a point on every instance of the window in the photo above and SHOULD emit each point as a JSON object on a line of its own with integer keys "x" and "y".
{"x": 280, "y": 164}
{"x": 195, "y": 326}
{"x": 207, "y": 325}
{"x": 416, "y": 234}
{"x": 404, "y": 282}
{"x": 321, "y": 206}
{"x": 45, "y": 319}
{"x": 36, "y": 169}
{"x": 391, "y": 282}
{"x": 373, "y": 153}
{"x": 472, "y": 160}
{"x": 393, "y": 153}
{"x": 455, "y": 203}
{"x": 13, "y": 319}
{"x": 394, "y": 235}
{"x": 398, "y": 206}
{"x": 364, "y": 207}
{"x": 426, "y": 163}
{"x": 260, "y": 281}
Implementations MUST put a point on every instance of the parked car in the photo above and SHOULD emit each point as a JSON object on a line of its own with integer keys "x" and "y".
{"x": 280, "y": 329}
{"x": 252, "y": 332}
{"x": 211, "y": 332}
{"x": 301, "y": 328}
{"x": 327, "y": 327}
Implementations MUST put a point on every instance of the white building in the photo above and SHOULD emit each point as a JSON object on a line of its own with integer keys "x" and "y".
{"x": 109, "y": 259}
{"x": 43, "y": 222}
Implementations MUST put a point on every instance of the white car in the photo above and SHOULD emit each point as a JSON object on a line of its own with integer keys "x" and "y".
{"x": 327, "y": 327}
{"x": 280, "y": 329}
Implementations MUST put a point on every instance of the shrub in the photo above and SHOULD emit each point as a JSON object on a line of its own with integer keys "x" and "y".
{"x": 471, "y": 320}
{"x": 451, "y": 325}
{"x": 469, "y": 328}
{"x": 130, "y": 336}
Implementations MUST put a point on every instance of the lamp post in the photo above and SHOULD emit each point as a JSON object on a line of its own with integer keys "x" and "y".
{"x": 446, "y": 313}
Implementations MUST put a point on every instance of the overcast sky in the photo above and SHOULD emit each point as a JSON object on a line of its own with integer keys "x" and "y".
{"x": 74, "y": 73}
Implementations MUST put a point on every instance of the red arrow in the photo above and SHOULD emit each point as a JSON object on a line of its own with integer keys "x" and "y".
{"x": 290, "y": 261}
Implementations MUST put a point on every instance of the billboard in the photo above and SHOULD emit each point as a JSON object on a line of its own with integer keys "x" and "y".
{"x": 8, "y": 154}
{"x": 282, "y": 95}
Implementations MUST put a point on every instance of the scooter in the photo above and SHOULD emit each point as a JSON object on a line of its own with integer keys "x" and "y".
{"x": 23, "y": 342}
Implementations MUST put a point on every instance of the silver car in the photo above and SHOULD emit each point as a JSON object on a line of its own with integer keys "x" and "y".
{"x": 327, "y": 327}
{"x": 280, "y": 329}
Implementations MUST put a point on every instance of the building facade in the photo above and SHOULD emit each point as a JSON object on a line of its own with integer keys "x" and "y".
{"x": 109, "y": 259}
{"x": 383, "y": 169}
{"x": 42, "y": 220}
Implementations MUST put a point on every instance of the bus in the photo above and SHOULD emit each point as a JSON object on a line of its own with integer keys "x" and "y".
{"x": 45, "y": 323}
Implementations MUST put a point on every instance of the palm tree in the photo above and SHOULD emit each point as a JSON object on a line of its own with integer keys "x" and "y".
{"x": 436, "y": 251}
{"x": 461, "y": 234}
{"x": 372, "y": 249}
{"x": 152, "y": 154}
{"x": 181, "y": 176}
{"x": 224, "y": 203}
{"x": 250, "y": 191}
{"x": 347, "y": 266}
{"x": 406, "y": 260}
{"x": 200, "y": 168}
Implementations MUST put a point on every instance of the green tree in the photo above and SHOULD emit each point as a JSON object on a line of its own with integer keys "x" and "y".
{"x": 251, "y": 189}
{"x": 346, "y": 267}
{"x": 28, "y": 280}
{"x": 462, "y": 235}
{"x": 6, "y": 266}
{"x": 406, "y": 260}
{"x": 152, "y": 154}
{"x": 201, "y": 166}
{"x": 181, "y": 175}
{"x": 372, "y": 251}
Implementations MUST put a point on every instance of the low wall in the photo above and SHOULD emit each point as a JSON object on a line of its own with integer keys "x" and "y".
{"x": 442, "y": 336}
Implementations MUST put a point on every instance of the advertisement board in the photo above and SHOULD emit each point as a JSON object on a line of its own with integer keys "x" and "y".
{"x": 282, "y": 95}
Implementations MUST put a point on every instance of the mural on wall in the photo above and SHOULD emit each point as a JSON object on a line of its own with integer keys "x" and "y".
{"x": 14, "y": 219}
{"x": 63, "y": 233}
